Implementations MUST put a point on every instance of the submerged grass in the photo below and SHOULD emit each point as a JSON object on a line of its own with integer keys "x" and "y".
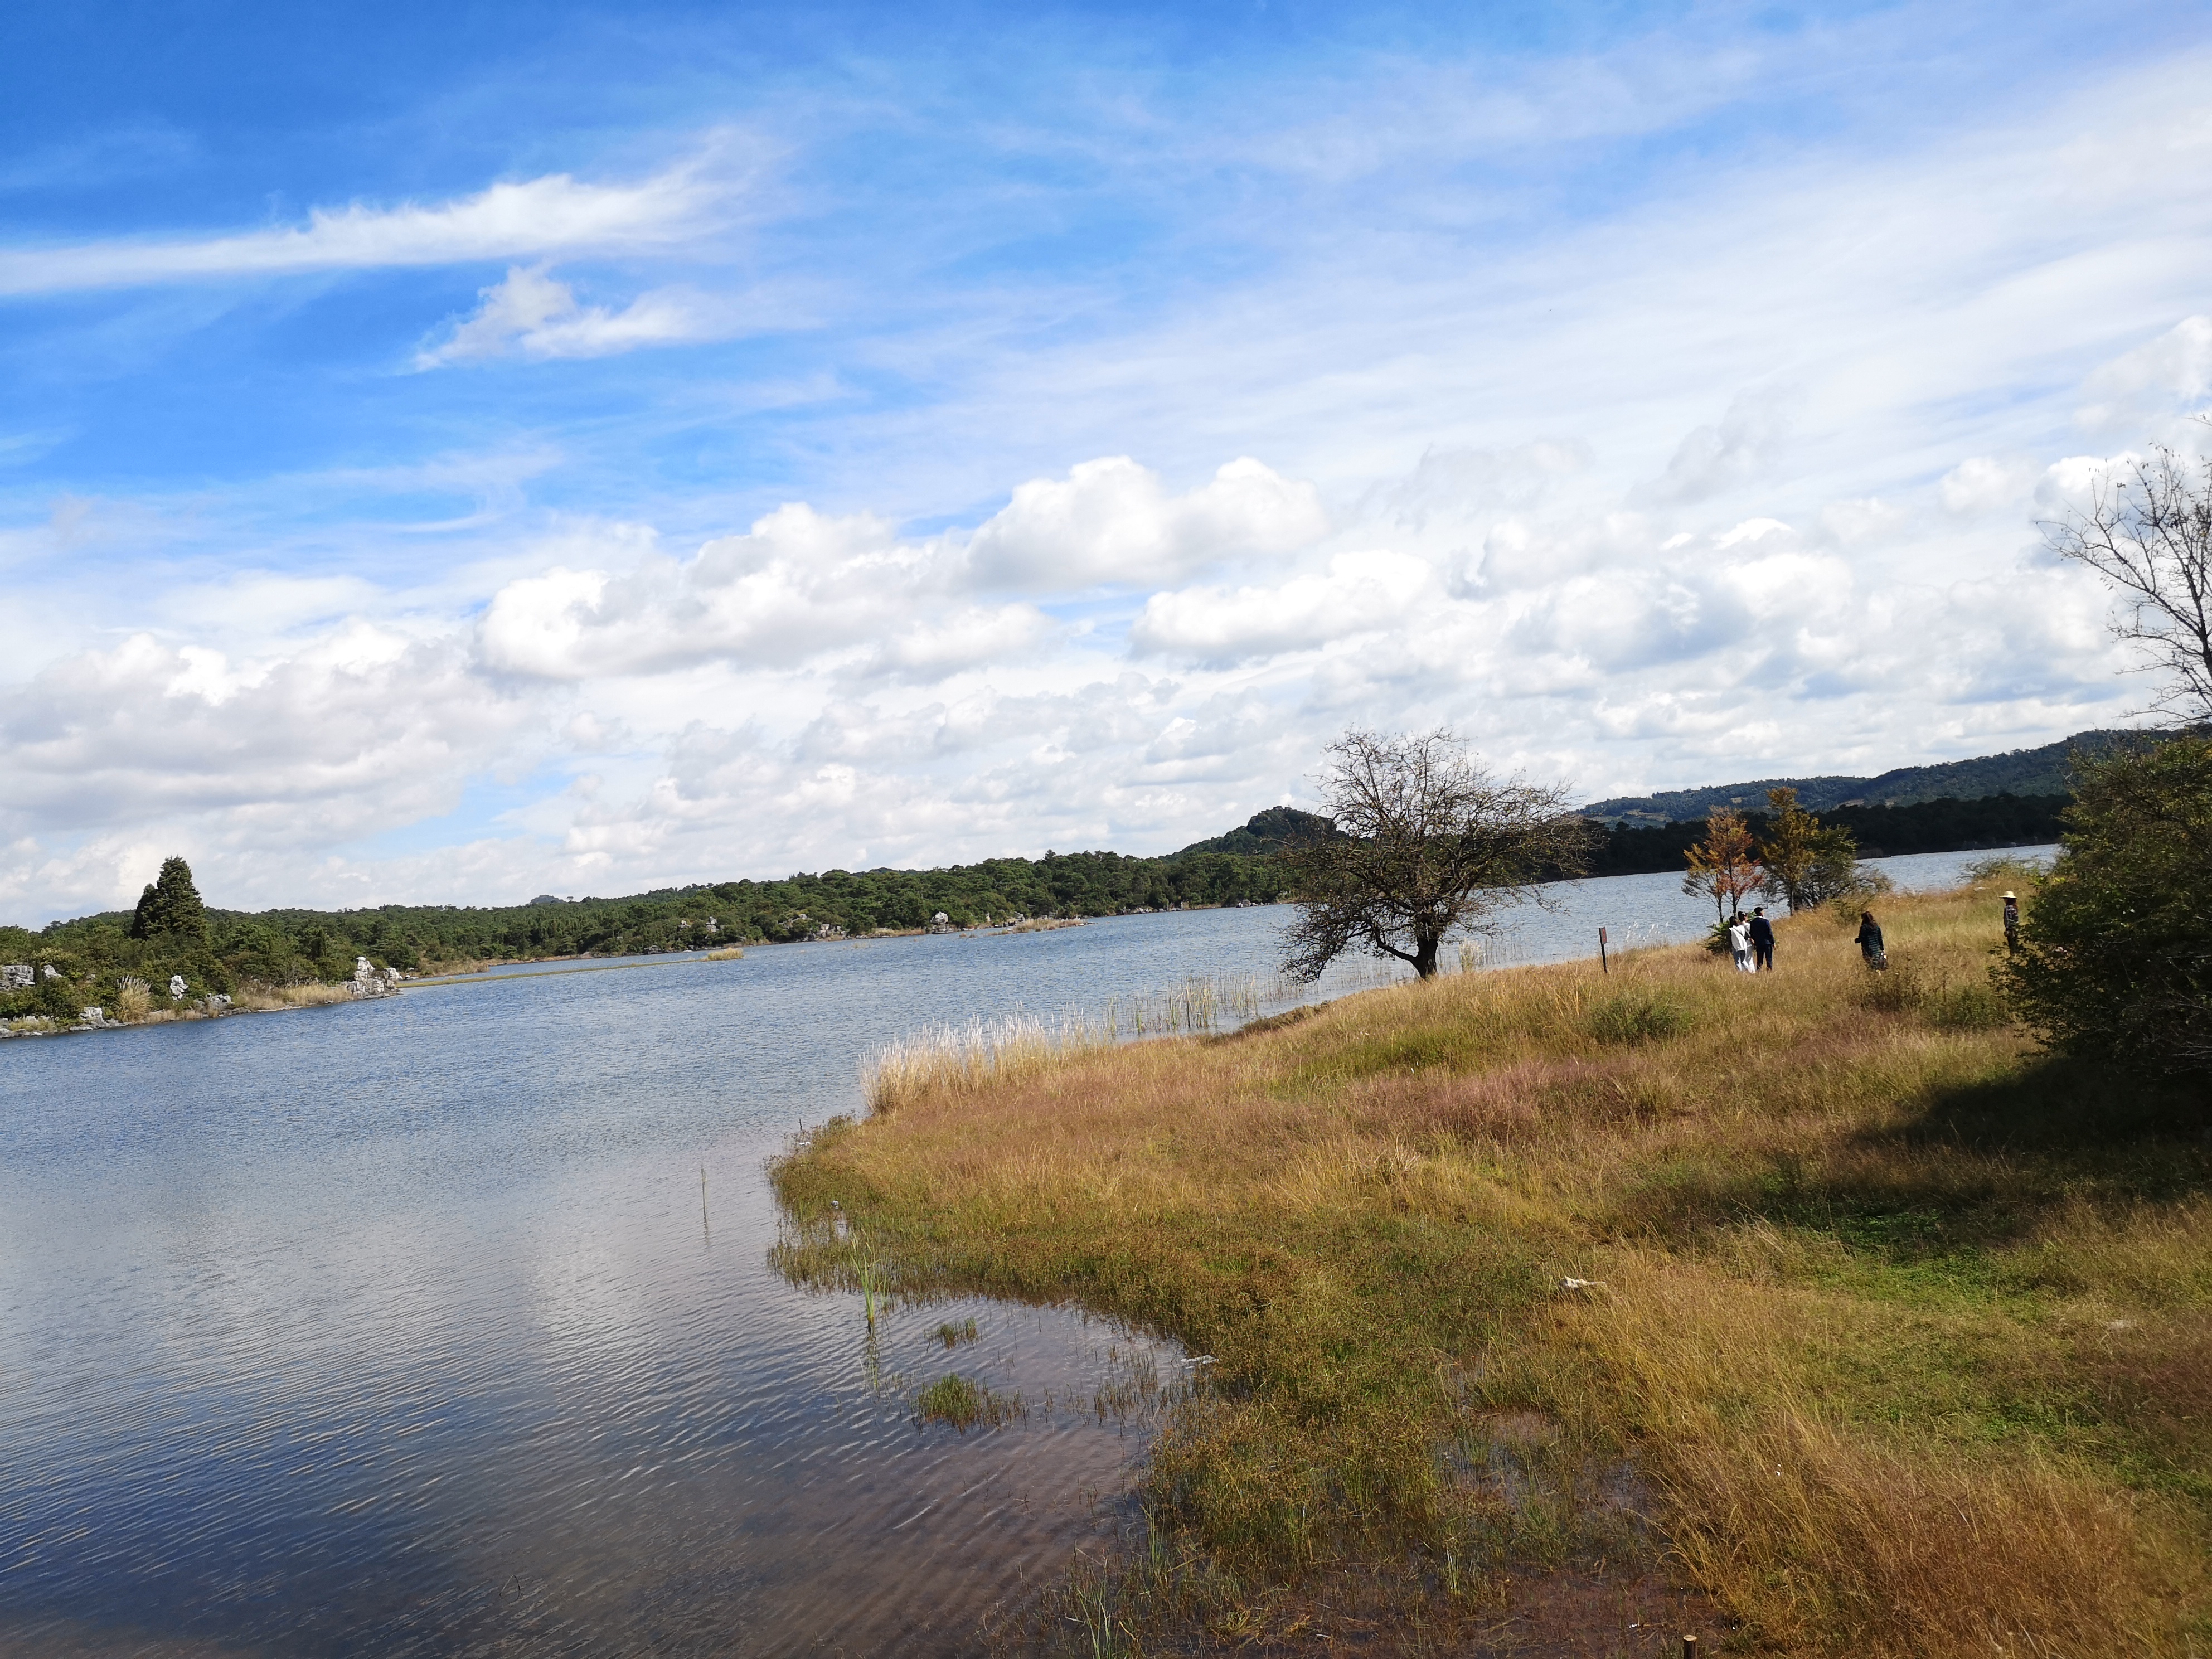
{"x": 1895, "y": 1335}
{"x": 966, "y": 1404}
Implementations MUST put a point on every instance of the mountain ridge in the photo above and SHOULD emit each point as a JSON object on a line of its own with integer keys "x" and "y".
{"x": 2043, "y": 770}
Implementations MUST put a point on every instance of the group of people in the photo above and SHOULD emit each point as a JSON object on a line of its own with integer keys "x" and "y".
{"x": 1751, "y": 937}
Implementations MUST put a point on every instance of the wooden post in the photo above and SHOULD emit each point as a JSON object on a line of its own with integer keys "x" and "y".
{"x": 1689, "y": 1647}
{"x": 1602, "y": 961}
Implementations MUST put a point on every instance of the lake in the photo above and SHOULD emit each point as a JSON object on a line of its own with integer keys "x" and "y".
{"x": 404, "y": 1327}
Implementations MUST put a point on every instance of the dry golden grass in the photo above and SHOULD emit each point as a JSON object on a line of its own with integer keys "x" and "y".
{"x": 264, "y": 998}
{"x": 1907, "y": 1330}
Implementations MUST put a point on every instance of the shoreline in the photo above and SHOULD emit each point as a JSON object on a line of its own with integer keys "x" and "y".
{"x": 1510, "y": 1277}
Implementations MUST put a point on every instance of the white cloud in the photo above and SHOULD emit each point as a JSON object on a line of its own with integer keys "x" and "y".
{"x": 1111, "y": 521}
{"x": 797, "y": 584}
{"x": 555, "y": 214}
{"x": 355, "y": 729}
{"x": 1451, "y": 529}
{"x": 2145, "y": 386}
{"x": 1358, "y": 593}
{"x": 529, "y": 314}
{"x": 818, "y": 691}
{"x": 1987, "y": 483}
{"x": 1715, "y": 458}
{"x": 973, "y": 636}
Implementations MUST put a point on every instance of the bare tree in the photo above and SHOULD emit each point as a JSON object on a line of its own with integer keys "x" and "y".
{"x": 1426, "y": 842}
{"x": 2149, "y": 535}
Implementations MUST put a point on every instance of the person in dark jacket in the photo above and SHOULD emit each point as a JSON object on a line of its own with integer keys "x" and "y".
{"x": 1762, "y": 941}
{"x": 1870, "y": 941}
{"x": 2012, "y": 921}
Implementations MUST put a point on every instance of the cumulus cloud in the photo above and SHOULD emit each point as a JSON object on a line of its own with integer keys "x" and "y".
{"x": 358, "y": 728}
{"x": 529, "y": 314}
{"x": 1358, "y": 593}
{"x": 972, "y": 636}
{"x": 553, "y": 214}
{"x": 820, "y": 691}
{"x": 1112, "y": 522}
{"x": 797, "y": 584}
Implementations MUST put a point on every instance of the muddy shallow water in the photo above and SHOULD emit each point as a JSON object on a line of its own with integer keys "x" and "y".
{"x": 400, "y": 1327}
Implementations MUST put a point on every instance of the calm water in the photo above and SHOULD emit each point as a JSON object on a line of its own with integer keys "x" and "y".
{"x": 397, "y": 1327}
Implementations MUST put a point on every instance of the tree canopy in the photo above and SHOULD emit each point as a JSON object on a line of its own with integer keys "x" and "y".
{"x": 170, "y": 904}
{"x": 2115, "y": 946}
{"x": 1808, "y": 862}
{"x": 1724, "y": 866}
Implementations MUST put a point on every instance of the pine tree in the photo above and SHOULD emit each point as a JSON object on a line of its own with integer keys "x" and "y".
{"x": 170, "y": 904}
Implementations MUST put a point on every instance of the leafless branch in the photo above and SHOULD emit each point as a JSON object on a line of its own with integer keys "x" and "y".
{"x": 2149, "y": 534}
{"x": 1426, "y": 842}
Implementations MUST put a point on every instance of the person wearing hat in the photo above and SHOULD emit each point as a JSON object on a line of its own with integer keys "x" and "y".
{"x": 2012, "y": 922}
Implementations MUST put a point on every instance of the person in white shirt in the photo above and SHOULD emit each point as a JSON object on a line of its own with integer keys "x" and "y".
{"x": 1740, "y": 942}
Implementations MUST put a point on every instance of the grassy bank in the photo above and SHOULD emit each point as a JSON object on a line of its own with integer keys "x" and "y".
{"x": 1898, "y": 1339}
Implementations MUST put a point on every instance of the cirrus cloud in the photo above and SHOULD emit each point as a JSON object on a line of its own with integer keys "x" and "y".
{"x": 555, "y": 213}
{"x": 529, "y": 314}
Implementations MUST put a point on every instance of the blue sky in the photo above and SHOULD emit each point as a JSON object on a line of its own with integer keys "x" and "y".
{"x": 453, "y": 453}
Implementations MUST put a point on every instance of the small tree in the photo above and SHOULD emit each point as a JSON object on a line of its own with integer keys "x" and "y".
{"x": 170, "y": 904}
{"x": 2116, "y": 948}
{"x": 1807, "y": 863}
{"x": 1724, "y": 867}
{"x": 1426, "y": 842}
{"x": 2149, "y": 535}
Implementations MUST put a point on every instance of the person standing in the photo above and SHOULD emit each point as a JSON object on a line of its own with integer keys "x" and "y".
{"x": 1762, "y": 941}
{"x": 1739, "y": 943}
{"x": 1870, "y": 941}
{"x": 2012, "y": 922}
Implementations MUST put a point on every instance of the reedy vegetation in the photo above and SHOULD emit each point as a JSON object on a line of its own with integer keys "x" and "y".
{"x": 1908, "y": 1328}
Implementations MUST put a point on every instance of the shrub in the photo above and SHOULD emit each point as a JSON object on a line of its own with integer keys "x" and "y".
{"x": 56, "y": 999}
{"x": 1895, "y": 990}
{"x": 2116, "y": 945}
{"x": 1637, "y": 1016}
{"x": 1967, "y": 1008}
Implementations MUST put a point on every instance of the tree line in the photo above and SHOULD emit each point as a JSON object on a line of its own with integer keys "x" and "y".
{"x": 172, "y": 932}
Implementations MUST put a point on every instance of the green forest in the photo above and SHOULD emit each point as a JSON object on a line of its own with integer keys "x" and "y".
{"x": 217, "y": 950}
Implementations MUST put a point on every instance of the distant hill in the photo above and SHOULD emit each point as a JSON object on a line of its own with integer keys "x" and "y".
{"x": 1265, "y": 832}
{"x": 2025, "y": 772}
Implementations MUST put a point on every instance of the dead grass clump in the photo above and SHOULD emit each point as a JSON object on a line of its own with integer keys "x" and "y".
{"x": 958, "y": 1061}
{"x": 264, "y": 998}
